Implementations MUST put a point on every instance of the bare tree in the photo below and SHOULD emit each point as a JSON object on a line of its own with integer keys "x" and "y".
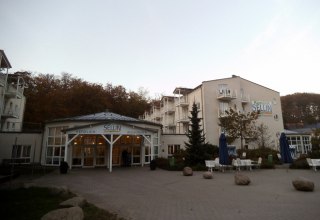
{"x": 263, "y": 137}
{"x": 239, "y": 125}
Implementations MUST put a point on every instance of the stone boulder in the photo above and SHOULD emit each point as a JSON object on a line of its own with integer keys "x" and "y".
{"x": 207, "y": 175}
{"x": 75, "y": 201}
{"x": 303, "y": 184}
{"x": 187, "y": 171}
{"x": 241, "y": 179}
{"x": 73, "y": 213}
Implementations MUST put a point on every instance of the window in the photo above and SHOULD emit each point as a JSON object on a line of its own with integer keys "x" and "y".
{"x": 173, "y": 148}
{"x": 21, "y": 153}
{"x": 198, "y": 105}
{"x": 55, "y": 146}
{"x": 223, "y": 107}
{"x": 300, "y": 144}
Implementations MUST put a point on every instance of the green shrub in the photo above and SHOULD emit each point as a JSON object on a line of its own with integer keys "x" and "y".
{"x": 199, "y": 167}
{"x": 300, "y": 163}
{"x": 266, "y": 164}
{"x": 315, "y": 154}
{"x": 164, "y": 163}
{"x": 264, "y": 153}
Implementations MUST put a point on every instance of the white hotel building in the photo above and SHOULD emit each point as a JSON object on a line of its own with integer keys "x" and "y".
{"x": 212, "y": 99}
{"x": 99, "y": 140}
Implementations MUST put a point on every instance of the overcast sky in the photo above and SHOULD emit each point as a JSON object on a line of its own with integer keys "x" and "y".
{"x": 163, "y": 44}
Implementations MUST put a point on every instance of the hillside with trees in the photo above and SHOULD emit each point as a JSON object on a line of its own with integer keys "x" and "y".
{"x": 51, "y": 97}
{"x": 300, "y": 110}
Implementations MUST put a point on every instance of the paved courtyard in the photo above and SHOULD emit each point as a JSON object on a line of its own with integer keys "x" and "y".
{"x": 140, "y": 194}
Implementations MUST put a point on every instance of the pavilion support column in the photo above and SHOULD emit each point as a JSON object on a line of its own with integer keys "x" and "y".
{"x": 110, "y": 155}
{"x": 151, "y": 148}
{"x": 66, "y": 150}
{"x": 111, "y": 142}
{"x": 151, "y": 145}
{"x": 142, "y": 155}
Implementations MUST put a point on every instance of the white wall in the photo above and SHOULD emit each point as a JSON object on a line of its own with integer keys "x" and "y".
{"x": 256, "y": 93}
{"x": 167, "y": 139}
{"x": 7, "y": 140}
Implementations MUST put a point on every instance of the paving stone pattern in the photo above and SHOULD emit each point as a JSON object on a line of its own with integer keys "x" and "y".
{"x": 137, "y": 193}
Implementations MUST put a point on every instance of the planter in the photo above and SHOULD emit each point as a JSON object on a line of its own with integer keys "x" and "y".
{"x": 153, "y": 165}
{"x": 64, "y": 167}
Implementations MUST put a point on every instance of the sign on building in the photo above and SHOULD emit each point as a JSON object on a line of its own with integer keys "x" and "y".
{"x": 264, "y": 107}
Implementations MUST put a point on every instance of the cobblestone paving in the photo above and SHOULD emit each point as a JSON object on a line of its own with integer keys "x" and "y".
{"x": 140, "y": 194}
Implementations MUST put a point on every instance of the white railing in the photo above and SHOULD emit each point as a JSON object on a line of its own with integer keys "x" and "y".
{"x": 227, "y": 93}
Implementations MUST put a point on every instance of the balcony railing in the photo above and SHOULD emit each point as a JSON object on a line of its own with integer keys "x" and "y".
{"x": 183, "y": 120}
{"x": 182, "y": 101}
{"x": 222, "y": 113}
{"x": 168, "y": 110}
{"x": 2, "y": 80}
{"x": 226, "y": 94}
{"x": 11, "y": 114}
{"x": 169, "y": 125}
{"x": 14, "y": 91}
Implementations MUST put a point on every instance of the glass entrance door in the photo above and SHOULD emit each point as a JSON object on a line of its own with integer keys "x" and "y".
{"x": 88, "y": 156}
{"x": 100, "y": 155}
{"x": 136, "y": 155}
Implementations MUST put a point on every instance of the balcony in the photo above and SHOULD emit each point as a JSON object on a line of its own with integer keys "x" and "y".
{"x": 181, "y": 102}
{"x": 10, "y": 114}
{"x": 14, "y": 92}
{"x": 183, "y": 120}
{"x": 226, "y": 94}
{"x": 245, "y": 98}
{"x": 3, "y": 80}
{"x": 169, "y": 125}
{"x": 168, "y": 110}
{"x": 222, "y": 113}
{"x": 156, "y": 113}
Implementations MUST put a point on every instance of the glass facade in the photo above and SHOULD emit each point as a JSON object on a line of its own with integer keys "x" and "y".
{"x": 55, "y": 146}
{"x": 299, "y": 144}
{"x": 93, "y": 150}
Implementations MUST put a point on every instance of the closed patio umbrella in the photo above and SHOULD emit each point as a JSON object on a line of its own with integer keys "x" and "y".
{"x": 284, "y": 149}
{"x": 223, "y": 151}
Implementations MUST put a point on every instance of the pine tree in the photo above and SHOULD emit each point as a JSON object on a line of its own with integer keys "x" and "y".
{"x": 195, "y": 148}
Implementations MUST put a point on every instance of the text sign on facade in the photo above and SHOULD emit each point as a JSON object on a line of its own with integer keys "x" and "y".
{"x": 265, "y": 108}
{"x": 112, "y": 128}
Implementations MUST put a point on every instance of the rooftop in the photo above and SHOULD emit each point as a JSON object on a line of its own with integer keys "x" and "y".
{"x": 103, "y": 116}
{"x": 4, "y": 62}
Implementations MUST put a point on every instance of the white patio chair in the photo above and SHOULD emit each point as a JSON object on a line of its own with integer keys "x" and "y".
{"x": 235, "y": 164}
{"x": 311, "y": 164}
{"x": 238, "y": 160}
{"x": 257, "y": 164}
{"x": 217, "y": 163}
{"x": 279, "y": 156}
{"x": 210, "y": 164}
